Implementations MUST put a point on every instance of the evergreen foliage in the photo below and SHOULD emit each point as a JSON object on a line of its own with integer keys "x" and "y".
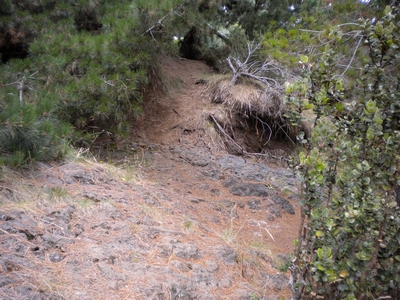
{"x": 349, "y": 240}
{"x": 14, "y": 40}
{"x": 84, "y": 66}
{"x": 29, "y": 129}
{"x": 86, "y": 18}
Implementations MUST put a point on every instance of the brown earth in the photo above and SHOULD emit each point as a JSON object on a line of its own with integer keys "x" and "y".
{"x": 165, "y": 214}
{"x": 181, "y": 118}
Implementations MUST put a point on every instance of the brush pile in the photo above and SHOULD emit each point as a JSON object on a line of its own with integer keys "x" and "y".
{"x": 253, "y": 102}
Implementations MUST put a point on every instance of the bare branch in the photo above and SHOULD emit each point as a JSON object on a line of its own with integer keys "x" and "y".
{"x": 21, "y": 90}
{"x": 158, "y": 24}
{"x": 254, "y": 69}
{"x": 266, "y": 80}
{"x": 270, "y": 130}
{"x": 230, "y": 65}
{"x": 352, "y": 58}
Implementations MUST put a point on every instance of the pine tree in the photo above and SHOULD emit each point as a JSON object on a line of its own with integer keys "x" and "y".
{"x": 74, "y": 62}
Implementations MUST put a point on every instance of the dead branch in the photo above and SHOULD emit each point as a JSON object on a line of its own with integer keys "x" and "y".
{"x": 269, "y": 128}
{"x": 286, "y": 135}
{"x": 22, "y": 85}
{"x": 158, "y": 24}
{"x": 351, "y": 35}
{"x": 176, "y": 112}
{"x": 254, "y": 69}
{"x": 352, "y": 57}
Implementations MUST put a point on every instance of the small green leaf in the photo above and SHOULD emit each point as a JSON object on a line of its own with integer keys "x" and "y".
{"x": 366, "y": 180}
{"x": 320, "y": 253}
{"x": 339, "y": 106}
{"x": 289, "y": 88}
{"x": 303, "y": 59}
{"x": 339, "y": 85}
{"x": 387, "y": 10}
{"x": 321, "y": 268}
{"x": 320, "y": 233}
{"x": 371, "y": 106}
{"x": 370, "y": 134}
{"x": 319, "y": 166}
{"x": 308, "y": 106}
{"x": 378, "y": 119}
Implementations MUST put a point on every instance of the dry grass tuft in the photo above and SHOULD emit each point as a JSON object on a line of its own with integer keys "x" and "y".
{"x": 19, "y": 191}
{"x": 248, "y": 96}
{"x": 251, "y": 103}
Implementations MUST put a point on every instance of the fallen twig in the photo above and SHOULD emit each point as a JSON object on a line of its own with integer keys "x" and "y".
{"x": 176, "y": 112}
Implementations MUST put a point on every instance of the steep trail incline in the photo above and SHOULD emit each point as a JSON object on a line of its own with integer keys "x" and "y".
{"x": 169, "y": 216}
{"x": 168, "y": 118}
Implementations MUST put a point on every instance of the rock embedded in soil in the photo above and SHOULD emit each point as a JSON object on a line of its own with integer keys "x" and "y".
{"x": 284, "y": 204}
{"x": 24, "y": 291}
{"x": 275, "y": 211}
{"x": 240, "y": 168}
{"x": 276, "y": 281}
{"x": 249, "y": 189}
{"x": 216, "y": 192}
{"x": 108, "y": 272}
{"x": 18, "y": 222}
{"x": 186, "y": 250}
{"x": 254, "y": 204}
{"x": 55, "y": 257}
{"x": 225, "y": 253}
{"x": 211, "y": 265}
{"x": 195, "y": 156}
{"x": 212, "y": 171}
{"x": 6, "y": 280}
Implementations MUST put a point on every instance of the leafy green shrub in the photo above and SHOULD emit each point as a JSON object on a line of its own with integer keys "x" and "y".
{"x": 349, "y": 243}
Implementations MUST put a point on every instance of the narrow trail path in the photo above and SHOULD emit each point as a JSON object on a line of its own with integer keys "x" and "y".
{"x": 173, "y": 217}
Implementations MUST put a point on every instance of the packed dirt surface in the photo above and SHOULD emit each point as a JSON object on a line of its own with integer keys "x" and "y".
{"x": 165, "y": 214}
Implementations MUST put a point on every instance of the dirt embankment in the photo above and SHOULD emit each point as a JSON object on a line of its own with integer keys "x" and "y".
{"x": 173, "y": 217}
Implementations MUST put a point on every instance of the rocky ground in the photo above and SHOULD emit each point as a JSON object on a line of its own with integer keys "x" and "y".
{"x": 166, "y": 217}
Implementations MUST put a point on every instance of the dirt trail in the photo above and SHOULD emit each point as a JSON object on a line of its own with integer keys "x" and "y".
{"x": 180, "y": 112}
{"x": 176, "y": 219}
{"x": 180, "y": 119}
